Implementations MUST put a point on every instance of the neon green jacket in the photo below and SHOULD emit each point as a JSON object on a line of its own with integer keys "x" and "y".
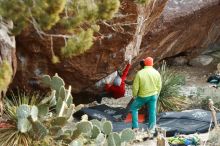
{"x": 147, "y": 82}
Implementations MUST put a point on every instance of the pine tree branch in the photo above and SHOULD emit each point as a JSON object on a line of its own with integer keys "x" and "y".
{"x": 42, "y": 33}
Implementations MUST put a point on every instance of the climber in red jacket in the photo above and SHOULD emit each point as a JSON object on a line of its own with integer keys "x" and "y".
{"x": 117, "y": 89}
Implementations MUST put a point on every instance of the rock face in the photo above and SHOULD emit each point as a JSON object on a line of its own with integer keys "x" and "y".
{"x": 7, "y": 45}
{"x": 161, "y": 29}
{"x": 186, "y": 27}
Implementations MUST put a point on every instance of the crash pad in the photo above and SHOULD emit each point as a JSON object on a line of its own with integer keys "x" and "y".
{"x": 114, "y": 114}
{"x": 185, "y": 122}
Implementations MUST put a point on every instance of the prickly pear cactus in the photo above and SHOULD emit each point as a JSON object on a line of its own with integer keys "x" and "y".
{"x": 69, "y": 100}
{"x": 76, "y": 142}
{"x": 117, "y": 138}
{"x": 107, "y": 127}
{"x": 46, "y": 100}
{"x": 111, "y": 140}
{"x": 62, "y": 92}
{"x": 59, "y": 105}
{"x": 60, "y": 97}
{"x": 76, "y": 133}
{"x": 84, "y": 126}
{"x": 54, "y": 129}
{"x": 39, "y": 130}
{"x": 69, "y": 111}
{"x": 57, "y": 82}
{"x": 53, "y": 101}
{"x": 95, "y": 132}
{"x": 46, "y": 80}
{"x": 97, "y": 123}
{"x": 43, "y": 110}
{"x": 59, "y": 121}
{"x": 127, "y": 135}
{"x": 100, "y": 139}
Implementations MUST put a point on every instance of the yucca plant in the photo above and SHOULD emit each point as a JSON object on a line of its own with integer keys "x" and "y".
{"x": 9, "y": 134}
{"x": 16, "y": 99}
{"x": 12, "y": 137}
{"x": 170, "y": 98}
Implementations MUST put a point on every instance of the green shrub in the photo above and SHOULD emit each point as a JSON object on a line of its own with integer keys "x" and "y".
{"x": 170, "y": 98}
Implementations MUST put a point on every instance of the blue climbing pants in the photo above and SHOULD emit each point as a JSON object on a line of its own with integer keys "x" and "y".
{"x": 151, "y": 102}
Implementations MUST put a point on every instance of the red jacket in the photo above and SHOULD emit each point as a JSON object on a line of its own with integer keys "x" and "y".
{"x": 118, "y": 91}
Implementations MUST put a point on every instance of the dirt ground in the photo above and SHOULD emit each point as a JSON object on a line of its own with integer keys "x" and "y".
{"x": 196, "y": 82}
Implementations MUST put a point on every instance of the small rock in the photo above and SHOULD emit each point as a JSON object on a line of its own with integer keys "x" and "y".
{"x": 180, "y": 61}
{"x": 201, "y": 60}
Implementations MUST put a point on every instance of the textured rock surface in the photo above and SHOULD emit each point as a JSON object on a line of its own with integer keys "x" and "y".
{"x": 107, "y": 54}
{"x": 184, "y": 26}
{"x": 7, "y": 44}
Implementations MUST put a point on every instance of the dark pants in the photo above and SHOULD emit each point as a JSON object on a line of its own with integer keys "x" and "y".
{"x": 103, "y": 94}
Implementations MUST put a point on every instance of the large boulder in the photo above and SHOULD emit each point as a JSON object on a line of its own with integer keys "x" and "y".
{"x": 183, "y": 27}
{"x": 108, "y": 53}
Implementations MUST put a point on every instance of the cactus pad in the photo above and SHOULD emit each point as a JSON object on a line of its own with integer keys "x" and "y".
{"x": 53, "y": 130}
{"x": 23, "y": 125}
{"x": 95, "y": 132}
{"x": 40, "y": 131}
{"x": 57, "y": 82}
{"x": 110, "y": 140}
{"x": 100, "y": 138}
{"x": 46, "y": 80}
{"x": 43, "y": 109}
{"x": 53, "y": 101}
{"x": 69, "y": 111}
{"x": 84, "y": 126}
{"x": 127, "y": 135}
{"x": 107, "y": 127}
{"x": 75, "y": 134}
{"x": 117, "y": 138}
{"x": 77, "y": 142}
{"x": 23, "y": 111}
{"x": 59, "y": 105}
{"x": 62, "y": 92}
{"x": 97, "y": 123}
{"x": 34, "y": 113}
{"x": 59, "y": 121}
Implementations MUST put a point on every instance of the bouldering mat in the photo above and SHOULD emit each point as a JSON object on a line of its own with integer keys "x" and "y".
{"x": 185, "y": 122}
{"x": 114, "y": 114}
